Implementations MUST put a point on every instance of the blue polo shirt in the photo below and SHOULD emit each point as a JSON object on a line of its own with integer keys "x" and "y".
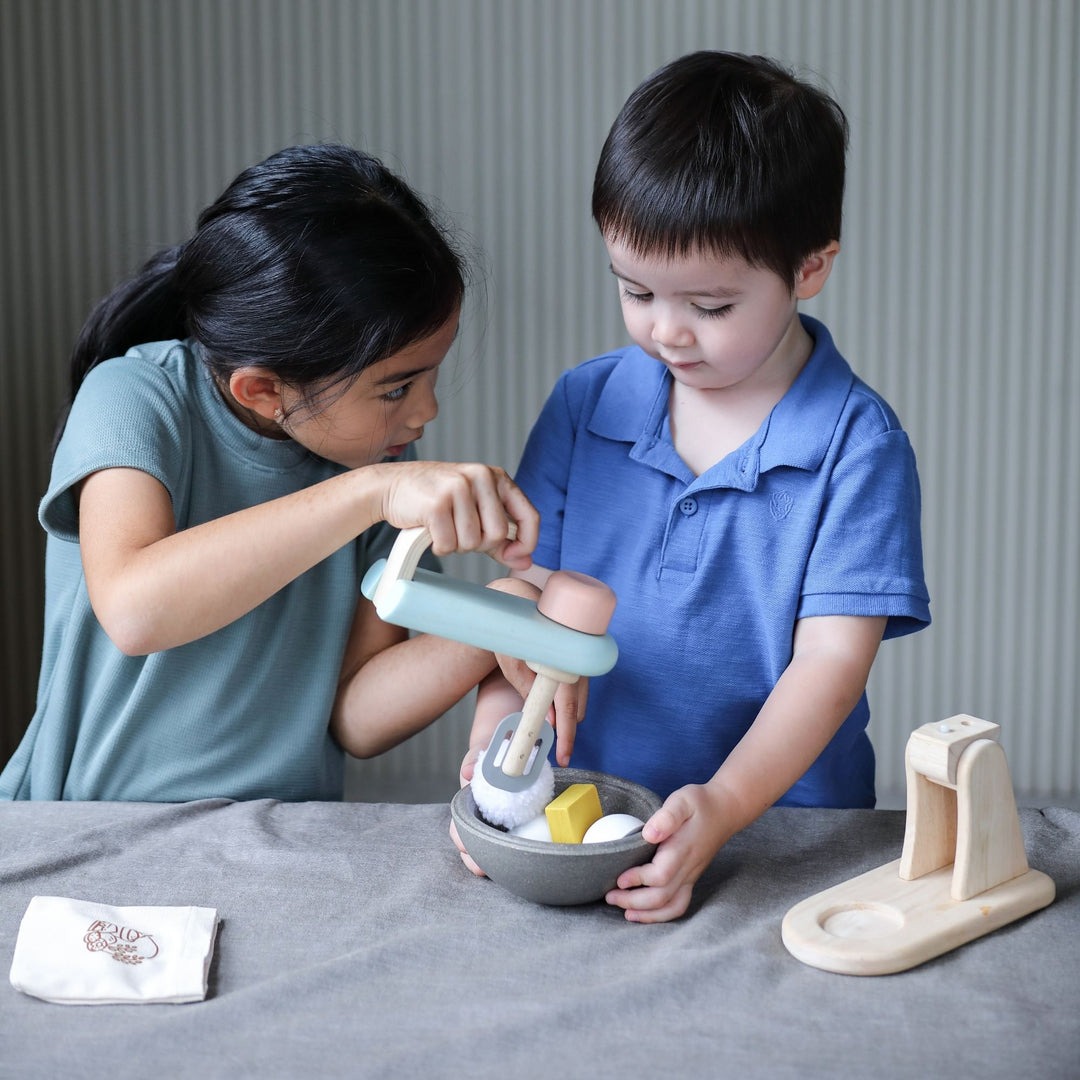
{"x": 816, "y": 514}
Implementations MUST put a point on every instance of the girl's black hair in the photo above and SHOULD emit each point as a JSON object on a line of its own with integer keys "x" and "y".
{"x": 314, "y": 264}
{"x": 728, "y": 154}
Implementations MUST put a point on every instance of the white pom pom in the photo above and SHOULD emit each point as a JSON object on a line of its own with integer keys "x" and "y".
{"x": 512, "y": 808}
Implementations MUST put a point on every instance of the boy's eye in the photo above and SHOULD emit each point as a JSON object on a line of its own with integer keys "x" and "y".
{"x": 714, "y": 312}
{"x": 636, "y": 297}
{"x": 397, "y": 393}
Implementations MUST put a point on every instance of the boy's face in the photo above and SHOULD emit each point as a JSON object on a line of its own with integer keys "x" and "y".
{"x": 715, "y": 323}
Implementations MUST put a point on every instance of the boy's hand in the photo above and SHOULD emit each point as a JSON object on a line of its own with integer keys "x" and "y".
{"x": 566, "y": 710}
{"x": 570, "y": 698}
{"x": 690, "y": 829}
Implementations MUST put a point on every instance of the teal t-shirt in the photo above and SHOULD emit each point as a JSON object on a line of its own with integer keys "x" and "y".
{"x": 242, "y": 713}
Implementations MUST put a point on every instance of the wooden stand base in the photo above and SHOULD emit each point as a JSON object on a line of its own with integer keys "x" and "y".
{"x": 963, "y": 871}
{"x": 878, "y": 923}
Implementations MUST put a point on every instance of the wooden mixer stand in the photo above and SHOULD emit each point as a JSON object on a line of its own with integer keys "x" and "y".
{"x": 963, "y": 871}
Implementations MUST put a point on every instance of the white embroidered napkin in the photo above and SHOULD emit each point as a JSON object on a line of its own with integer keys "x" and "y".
{"x": 73, "y": 952}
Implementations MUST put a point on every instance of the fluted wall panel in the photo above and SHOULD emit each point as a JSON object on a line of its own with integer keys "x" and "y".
{"x": 955, "y": 295}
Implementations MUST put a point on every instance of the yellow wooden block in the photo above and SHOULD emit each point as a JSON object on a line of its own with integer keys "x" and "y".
{"x": 572, "y": 812}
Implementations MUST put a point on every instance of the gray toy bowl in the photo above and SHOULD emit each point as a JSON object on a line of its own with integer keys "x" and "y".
{"x": 559, "y": 874}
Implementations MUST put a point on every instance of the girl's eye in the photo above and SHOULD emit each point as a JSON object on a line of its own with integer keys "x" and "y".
{"x": 714, "y": 312}
{"x": 636, "y": 297}
{"x": 397, "y": 393}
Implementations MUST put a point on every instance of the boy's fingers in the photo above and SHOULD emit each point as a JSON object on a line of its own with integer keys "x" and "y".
{"x": 674, "y": 907}
{"x": 662, "y": 825}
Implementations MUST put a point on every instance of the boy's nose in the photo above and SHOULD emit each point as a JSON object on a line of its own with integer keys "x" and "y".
{"x": 672, "y": 333}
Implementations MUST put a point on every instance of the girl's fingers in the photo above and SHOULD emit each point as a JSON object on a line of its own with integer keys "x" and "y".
{"x": 524, "y": 514}
{"x": 503, "y": 503}
{"x": 465, "y": 507}
{"x": 473, "y": 517}
{"x": 495, "y": 515}
{"x": 443, "y": 534}
{"x": 468, "y": 524}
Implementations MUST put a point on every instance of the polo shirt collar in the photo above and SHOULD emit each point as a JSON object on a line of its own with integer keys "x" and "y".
{"x": 633, "y": 408}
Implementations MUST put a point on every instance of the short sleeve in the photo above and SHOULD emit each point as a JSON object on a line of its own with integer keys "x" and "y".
{"x": 867, "y": 556}
{"x": 125, "y": 415}
{"x": 544, "y": 471}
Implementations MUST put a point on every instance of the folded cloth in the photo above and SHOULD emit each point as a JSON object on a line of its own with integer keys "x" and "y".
{"x": 73, "y": 952}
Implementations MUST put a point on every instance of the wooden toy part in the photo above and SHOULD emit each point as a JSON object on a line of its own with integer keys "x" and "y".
{"x": 404, "y": 558}
{"x": 963, "y": 870}
{"x": 428, "y": 602}
{"x": 581, "y": 603}
{"x": 578, "y": 601}
{"x": 960, "y": 807}
{"x": 566, "y": 629}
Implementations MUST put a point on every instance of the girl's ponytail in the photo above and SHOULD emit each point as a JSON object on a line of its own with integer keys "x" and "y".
{"x": 313, "y": 264}
{"x": 145, "y": 307}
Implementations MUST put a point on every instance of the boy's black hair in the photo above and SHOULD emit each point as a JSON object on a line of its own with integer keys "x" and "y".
{"x": 728, "y": 154}
{"x": 313, "y": 264}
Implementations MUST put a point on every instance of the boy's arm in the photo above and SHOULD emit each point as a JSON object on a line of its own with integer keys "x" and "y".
{"x": 830, "y": 663}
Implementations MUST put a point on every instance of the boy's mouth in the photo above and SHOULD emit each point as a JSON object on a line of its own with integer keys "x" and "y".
{"x": 681, "y": 365}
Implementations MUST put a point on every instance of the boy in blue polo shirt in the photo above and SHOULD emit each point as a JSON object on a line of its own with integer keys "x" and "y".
{"x": 754, "y": 505}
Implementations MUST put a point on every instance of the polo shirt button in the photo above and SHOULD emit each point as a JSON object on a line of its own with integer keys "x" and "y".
{"x": 688, "y": 506}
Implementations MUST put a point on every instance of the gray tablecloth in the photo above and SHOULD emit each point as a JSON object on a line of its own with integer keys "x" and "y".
{"x": 353, "y": 943}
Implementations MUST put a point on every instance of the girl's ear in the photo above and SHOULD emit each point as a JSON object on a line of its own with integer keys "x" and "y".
{"x": 256, "y": 389}
{"x": 815, "y": 271}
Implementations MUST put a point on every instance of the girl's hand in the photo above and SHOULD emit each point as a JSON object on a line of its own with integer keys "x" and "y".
{"x": 690, "y": 828}
{"x": 465, "y": 507}
{"x": 153, "y": 588}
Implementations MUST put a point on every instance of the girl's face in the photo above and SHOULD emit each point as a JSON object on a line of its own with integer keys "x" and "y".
{"x": 380, "y": 413}
{"x": 716, "y": 323}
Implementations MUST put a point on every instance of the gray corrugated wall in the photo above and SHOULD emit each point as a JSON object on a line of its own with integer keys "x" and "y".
{"x": 956, "y": 294}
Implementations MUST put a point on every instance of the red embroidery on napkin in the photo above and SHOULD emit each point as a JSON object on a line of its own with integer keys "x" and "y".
{"x": 123, "y": 943}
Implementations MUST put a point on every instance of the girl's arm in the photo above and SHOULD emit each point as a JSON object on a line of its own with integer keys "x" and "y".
{"x": 393, "y": 686}
{"x": 154, "y": 588}
{"x": 827, "y": 675}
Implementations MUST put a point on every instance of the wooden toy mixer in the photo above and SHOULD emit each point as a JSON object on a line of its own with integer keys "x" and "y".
{"x": 561, "y": 637}
{"x": 963, "y": 870}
